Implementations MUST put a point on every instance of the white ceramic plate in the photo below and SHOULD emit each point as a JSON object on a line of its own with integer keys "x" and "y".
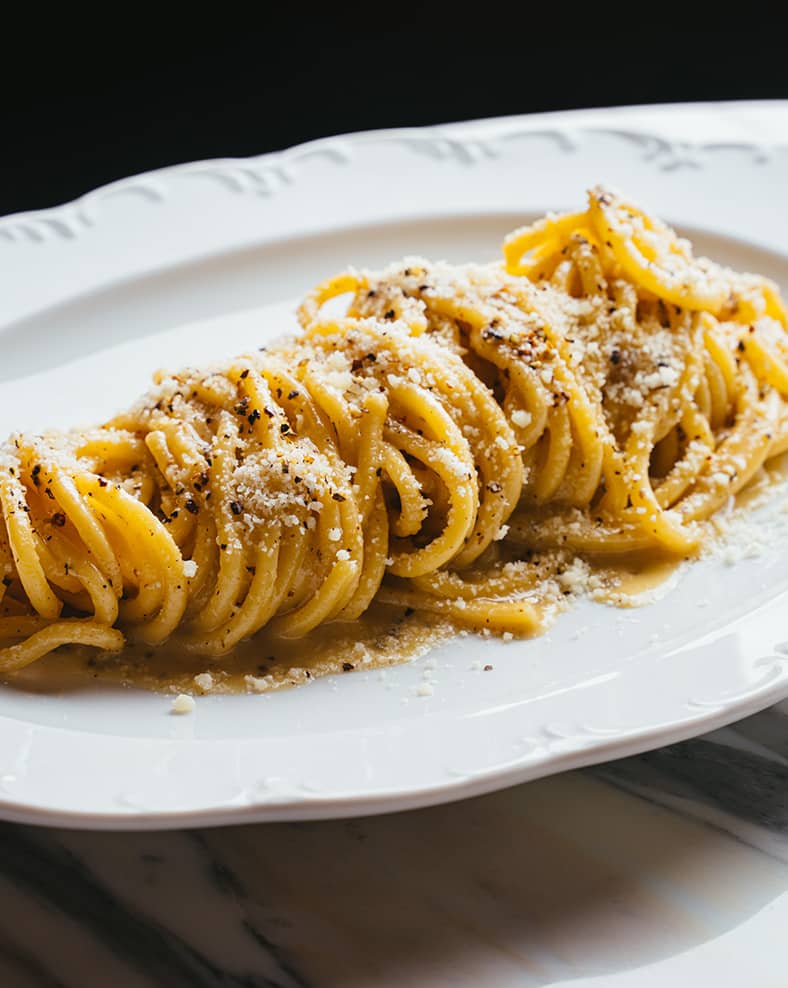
{"x": 202, "y": 260}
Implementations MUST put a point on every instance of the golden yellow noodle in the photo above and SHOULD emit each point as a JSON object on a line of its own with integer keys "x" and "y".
{"x": 451, "y": 443}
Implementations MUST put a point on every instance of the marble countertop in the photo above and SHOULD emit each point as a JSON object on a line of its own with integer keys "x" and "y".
{"x": 667, "y": 868}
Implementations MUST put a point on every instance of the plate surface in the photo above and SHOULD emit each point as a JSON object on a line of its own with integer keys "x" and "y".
{"x": 204, "y": 260}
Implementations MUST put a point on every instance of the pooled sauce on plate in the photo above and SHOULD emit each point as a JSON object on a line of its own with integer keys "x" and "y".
{"x": 631, "y": 580}
{"x": 383, "y": 636}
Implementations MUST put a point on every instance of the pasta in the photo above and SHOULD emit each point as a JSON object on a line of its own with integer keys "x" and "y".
{"x": 460, "y": 440}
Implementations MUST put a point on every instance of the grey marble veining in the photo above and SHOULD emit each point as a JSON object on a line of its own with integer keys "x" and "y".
{"x": 735, "y": 778}
{"x": 605, "y": 874}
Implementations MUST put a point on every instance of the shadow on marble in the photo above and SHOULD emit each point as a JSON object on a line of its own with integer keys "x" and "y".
{"x": 558, "y": 879}
{"x": 735, "y": 778}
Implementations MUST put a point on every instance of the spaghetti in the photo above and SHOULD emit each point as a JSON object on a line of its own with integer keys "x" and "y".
{"x": 453, "y": 443}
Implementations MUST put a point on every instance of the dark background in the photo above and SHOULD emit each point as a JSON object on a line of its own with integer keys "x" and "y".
{"x": 87, "y": 108}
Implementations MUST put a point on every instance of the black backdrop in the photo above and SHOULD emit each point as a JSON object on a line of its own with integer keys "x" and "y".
{"x": 83, "y": 110}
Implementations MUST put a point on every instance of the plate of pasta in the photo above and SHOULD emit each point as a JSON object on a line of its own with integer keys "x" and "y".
{"x": 324, "y": 505}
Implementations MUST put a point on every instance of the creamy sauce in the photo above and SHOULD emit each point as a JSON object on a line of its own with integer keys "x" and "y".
{"x": 635, "y": 579}
{"x": 383, "y": 636}
{"x": 762, "y": 485}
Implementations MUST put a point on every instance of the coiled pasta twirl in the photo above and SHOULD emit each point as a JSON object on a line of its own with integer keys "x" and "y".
{"x": 449, "y": 445}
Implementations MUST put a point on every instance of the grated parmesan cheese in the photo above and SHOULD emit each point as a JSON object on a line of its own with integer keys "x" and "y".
{"x": 258, "y": 684}
{"x": 204, "y": 681}
{"x": 182, "y": 704}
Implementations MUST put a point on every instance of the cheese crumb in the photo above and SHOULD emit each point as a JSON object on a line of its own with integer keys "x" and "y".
{"x": 204, "y": 681}
{"x": 189, "y": 569}
{"x": 507, "y": 636}
{"x": 575, "y": 577}
{"x": 343, "y": 555}
{"x": 426, "y": 689}
{"x": 336, "y": 371}
{"x": 334, "y": 534}
{"x": 521, "y": 418}
{"x": 258, "y": 684}
{"x": 182, "y": 704}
